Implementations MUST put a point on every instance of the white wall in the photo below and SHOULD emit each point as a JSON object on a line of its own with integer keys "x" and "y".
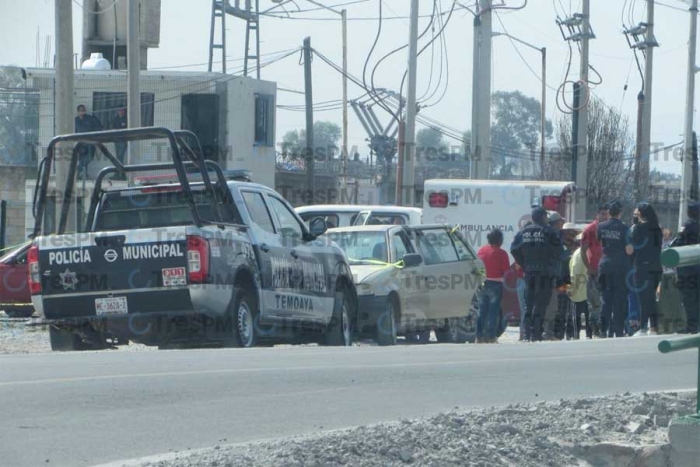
{"x": 242, "y": 151}
{"x": 237, "y": 101}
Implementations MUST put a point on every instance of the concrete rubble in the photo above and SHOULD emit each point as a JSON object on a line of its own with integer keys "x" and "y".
{"x": 622, "y": 431}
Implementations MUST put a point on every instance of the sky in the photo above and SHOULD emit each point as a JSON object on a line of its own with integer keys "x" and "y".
{"x": 185, "y": 41}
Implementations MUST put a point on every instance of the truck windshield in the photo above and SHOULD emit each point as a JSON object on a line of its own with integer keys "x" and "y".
{"x": 144, "y": 208}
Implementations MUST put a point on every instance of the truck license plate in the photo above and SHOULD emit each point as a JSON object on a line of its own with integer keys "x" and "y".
{"x": 111, "y": 306}
{"x": 174, "y": 276}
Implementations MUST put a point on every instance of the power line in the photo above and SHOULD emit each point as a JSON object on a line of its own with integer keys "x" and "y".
{"x": 98, "y": 12}
{"x": 384, "y": 18}
{"x": 517, "y": 50}
{"x": 677, "y": 8}
{"x": 239, "y": 59}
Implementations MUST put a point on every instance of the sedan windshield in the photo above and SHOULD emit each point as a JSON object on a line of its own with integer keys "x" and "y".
{"x": 363, "y": 247}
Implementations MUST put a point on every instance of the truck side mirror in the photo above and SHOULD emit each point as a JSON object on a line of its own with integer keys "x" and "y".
{"x": 317, "y": 226}
{"x": 412, "y": 260}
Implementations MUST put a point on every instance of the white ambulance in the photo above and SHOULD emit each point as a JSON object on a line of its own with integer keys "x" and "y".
{"x": 480, "y": 206}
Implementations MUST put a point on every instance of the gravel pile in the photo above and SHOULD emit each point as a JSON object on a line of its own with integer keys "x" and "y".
{"x": 623, "y": 430}
{"x": 18, "y": 338}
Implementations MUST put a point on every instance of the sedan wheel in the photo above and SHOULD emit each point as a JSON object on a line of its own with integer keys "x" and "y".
{"x": 386, "y": 325}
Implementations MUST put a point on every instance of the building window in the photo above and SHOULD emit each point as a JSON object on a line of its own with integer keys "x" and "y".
{"x": 264, "y": 120}
{"x": 106, "y": 105}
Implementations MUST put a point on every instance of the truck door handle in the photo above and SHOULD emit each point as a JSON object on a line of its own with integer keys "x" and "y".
{"x": 264, "y": 247}
{"x": 294, "y": 254}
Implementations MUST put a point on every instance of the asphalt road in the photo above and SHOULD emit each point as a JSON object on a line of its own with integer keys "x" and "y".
{"x": 90, "y": 408}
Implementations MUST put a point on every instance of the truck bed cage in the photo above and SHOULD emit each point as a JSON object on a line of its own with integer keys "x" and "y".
{"x": 178, "y": 141}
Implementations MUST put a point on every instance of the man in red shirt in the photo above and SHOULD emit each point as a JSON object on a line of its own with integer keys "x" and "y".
{"x": 591, "y": 252}
{"x": 497, "y": 264}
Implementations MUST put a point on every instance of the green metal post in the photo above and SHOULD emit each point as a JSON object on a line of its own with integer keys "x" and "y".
{"x": 685, "y": 343}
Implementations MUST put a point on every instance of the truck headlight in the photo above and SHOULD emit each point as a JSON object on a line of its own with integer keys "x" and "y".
{"x": 364, "y": 289}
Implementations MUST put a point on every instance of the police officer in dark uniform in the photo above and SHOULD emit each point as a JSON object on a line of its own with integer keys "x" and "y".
{"x": 85, "y": 123}
{"x": 689, "y": 276}
{"x": 119, "y": 122}
{"x": 614, "y": 267}
{"x": 536, "y": 249}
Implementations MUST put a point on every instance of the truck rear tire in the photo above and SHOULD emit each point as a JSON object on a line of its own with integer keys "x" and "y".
{"x": 66, "y": 341}
{"x": 386, "y": 325}
{"x": 340, "y": 330}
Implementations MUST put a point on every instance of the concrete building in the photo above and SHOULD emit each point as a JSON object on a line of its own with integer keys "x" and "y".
{"x": 234, "y": 118}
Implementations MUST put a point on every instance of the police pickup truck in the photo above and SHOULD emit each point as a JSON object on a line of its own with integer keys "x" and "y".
{"x": 199, "y": 262}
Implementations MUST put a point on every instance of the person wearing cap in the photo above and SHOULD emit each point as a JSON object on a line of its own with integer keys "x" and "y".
{"x": 537, "y": 249}
{"x": 564, "y": 318}
{"x": 556, "y": 309}
{"x": 591, "y": 252}
{"x": 688, "y": 276}
{"x": 613, "y": 271}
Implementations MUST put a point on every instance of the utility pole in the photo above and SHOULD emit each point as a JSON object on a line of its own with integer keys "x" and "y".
{"x": 649, "y": 45}
{"x": 308, "y": 91}
{"x": 481, "y": 94}
{"x": 639, "y": 149}
{"x": 543, "y": 130}
{"x": 65, "y": 101}
{"x": 133, "y": 50}
{"x": 473, "y": 144}
{"x": 582, "y": 143}
{"x": 345, "y": 155}
{"x": 578, "y": 29}
{"x": 408, "y": 179}
{"x": 686, "y": 178}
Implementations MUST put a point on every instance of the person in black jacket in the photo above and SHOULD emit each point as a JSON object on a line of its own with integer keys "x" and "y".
{"x": 537, "y": 250}
{"x": 689, "y": 276}
{"x": 647, "y": 239}
{"x": 119, "y": 122}
{"x": 613, "y": 271}
{"x": 85, "y": 123}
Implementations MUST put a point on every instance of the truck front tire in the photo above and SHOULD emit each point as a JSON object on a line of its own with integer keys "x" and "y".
{"x": 340, "y": 331}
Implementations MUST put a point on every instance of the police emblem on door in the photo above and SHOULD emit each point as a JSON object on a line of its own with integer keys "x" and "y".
{"x": 68, "y": 279}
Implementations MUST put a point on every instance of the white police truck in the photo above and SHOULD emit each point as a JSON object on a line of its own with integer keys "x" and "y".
{"x": 193, "y": 263}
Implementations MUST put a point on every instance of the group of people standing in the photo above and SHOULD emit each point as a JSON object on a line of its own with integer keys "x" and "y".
{"x": 607, "y": 275}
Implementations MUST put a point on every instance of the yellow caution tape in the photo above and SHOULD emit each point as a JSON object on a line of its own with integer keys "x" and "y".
{"x": 14, "y": 246}
{"x": 399, "y": 264}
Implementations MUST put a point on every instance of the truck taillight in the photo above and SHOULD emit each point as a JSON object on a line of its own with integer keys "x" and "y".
{"x": 34, "y": 276}
{"x": 197, "y": 259}
{"x": 438, "y": 200}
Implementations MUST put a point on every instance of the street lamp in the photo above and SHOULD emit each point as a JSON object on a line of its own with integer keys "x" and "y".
{"x": 543, "y": 51}
{"x": 344, "y": 17}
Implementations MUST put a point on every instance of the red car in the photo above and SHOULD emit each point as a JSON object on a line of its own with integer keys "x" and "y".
{"x": 15, "y": 299}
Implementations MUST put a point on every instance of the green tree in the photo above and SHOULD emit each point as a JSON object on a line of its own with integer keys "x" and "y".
{"x": 610, "y": 163}
{"x": 431, "y": 147}
{"x": 515, "y": 131}
{"x": 326, "y": 138}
